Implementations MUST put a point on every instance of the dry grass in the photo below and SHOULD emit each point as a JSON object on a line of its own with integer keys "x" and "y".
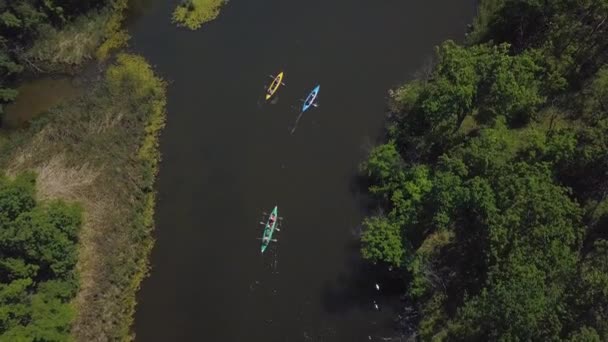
{"x": 94, "y": 35}
{"x": 101, "y": 150}
{"x": 70, "y": 46}
{"x": 57, "y": 180}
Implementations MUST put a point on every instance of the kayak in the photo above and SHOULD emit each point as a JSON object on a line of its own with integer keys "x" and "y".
{"x": 310, "y": 100}
{"x": 276, "y": 82}
{"x": 269, "y": 228}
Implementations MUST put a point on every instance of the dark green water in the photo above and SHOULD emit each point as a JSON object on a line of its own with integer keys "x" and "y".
{"x": 227, "y": 157}
{"x": 36, "y": 97}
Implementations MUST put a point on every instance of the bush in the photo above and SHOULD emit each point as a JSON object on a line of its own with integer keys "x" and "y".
{"x": 194, "y": 13}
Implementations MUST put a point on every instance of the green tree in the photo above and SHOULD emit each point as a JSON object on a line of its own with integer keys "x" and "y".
{"x": 384, "y": 168}
{"x": 37, "y": 260}
{"x": 21, "y": 23}
{"x": 585, "y": 334}
{"x": 488, "y": 160}
{"x": 449, "y": 96}
{"x": 510, "y": 86}
{"x": 595, "y": 106}
{"x": 382, "y": 241}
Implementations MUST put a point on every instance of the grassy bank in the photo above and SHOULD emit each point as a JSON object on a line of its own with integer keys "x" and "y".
{"x": 194, "y": 13}
{"x": 101, "y": 150}
{"x": 41, "y": 37}
{"x": 92, "y": 35}
{"x": 38, "y": 253}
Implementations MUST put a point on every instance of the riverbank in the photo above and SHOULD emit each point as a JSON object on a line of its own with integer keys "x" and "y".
{"x": 97, "y": 147}
{"x": 95, "y": 144}
{"x": 489, "y": 193}
{"x": 42, "y": 40}
{"x": 100, "y": 150}
{"x": 36, "y": 96}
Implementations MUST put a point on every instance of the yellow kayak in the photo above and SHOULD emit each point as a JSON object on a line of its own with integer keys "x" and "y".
{"x": 276, "y": 82}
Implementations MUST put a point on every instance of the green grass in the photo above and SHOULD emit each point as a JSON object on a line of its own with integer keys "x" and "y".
{"x": 468, "y": 125}
{"x": 101, "y": 150}
{"x": 486, "y": 12}
{"x": 115, "y": 36}
{"x": 194, "y": 13}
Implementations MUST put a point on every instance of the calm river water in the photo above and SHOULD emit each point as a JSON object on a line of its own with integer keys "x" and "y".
{"x": 227, "y": 157}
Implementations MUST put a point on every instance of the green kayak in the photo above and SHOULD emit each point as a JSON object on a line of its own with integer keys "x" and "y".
{"x": 269, "y": 229}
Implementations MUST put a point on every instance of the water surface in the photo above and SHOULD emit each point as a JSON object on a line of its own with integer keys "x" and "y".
{"x": 227, "y": 157}
{"x": 37, "y": 96}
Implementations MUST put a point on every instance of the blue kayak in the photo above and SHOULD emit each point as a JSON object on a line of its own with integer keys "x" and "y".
{"x": 310, "y": 100}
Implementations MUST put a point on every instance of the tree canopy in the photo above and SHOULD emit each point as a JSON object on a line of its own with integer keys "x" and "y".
{"x": 492, "y": 189}
{"x": 22, "y": 22}
{"x": 37, "y": 260}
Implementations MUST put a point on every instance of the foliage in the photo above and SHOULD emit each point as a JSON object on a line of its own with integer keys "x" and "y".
{"x": 569, "y": 34}
{"x": 37, "y": 263}
{"x": 481, "y": 81}
{"x": 382, "y": 241}
{"x": 55, "y": 35}
{"x": 101, "y": 149}
{"x": 510, "y": 86}
{"x": 71, "y": 45}
{"x": 114, "y": 35}
{"x": 595, "y": 107}
{"x": 194, "y": 13}
{"x": 501, "y": 225}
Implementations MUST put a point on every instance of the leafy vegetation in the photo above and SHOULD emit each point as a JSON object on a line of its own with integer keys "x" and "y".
{"x": 37, "y": 263}
{"x": 492, "y": 186}
{"x": 53, "y": 35}
{"x": 114, "y": 35}
{"x": 194, "y": 13}
{"x": 76, "y": 42}
{"x": 101, "y": 150}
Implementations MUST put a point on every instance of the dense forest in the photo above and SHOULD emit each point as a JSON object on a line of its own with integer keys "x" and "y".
{"x": 37, "y": 260}
{"x": 54, "y": 35}
{"x": 492, "y": 186}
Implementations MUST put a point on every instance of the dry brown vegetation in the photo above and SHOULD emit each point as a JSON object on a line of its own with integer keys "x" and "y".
{"x": 102, "y": 150}
{"x": 62, "y": 49}
{"x": 92, "y": 35}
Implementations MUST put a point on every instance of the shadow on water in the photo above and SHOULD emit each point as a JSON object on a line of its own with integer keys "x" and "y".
{"x": 359, "y": 184}
{"x": 223, "y": 154}
{"x": 137, "y": 8}
{"x": 356, "y": 289}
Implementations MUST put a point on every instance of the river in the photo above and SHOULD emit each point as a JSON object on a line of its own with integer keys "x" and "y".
{"x": 227, "y": 157}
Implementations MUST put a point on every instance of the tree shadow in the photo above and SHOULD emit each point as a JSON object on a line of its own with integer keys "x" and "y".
{"x": 359, "y": 183}
{"x": 356, "y": 289}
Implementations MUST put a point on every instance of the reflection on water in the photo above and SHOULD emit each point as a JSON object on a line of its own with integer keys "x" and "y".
{"x": 137, "y": 8}
{"x": 35, "y": 97}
